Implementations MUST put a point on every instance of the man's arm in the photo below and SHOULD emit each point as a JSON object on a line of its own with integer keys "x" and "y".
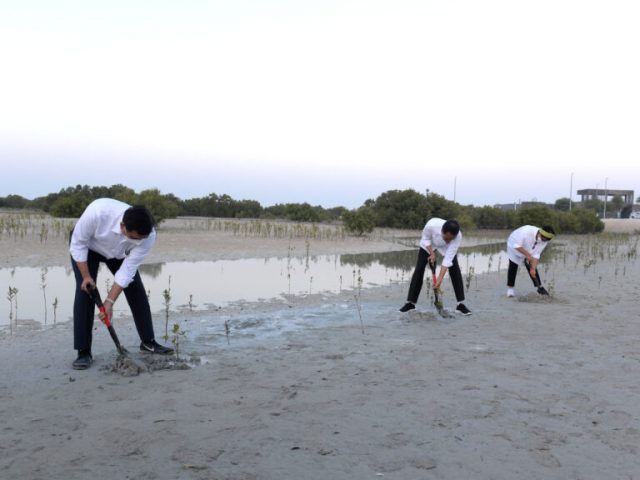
{"x": 443, "y": 271}
{"x": 79, "y": 245}
{"x": 525, "y": 252}
{"x": 87, "y": 280}
{"x": 447, "y": 260}
{"x": 129, "y": 268}
{"x": 533, "y": 262}
{"x": 425, "y": 243}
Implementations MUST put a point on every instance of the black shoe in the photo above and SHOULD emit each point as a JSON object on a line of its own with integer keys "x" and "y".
{"x": 83, "y": 361}
{"x": 542, "y": 291}
{"x": 462, "y": 309}
{"x": 407, "y": 306}
{"x": 154, "y": 347}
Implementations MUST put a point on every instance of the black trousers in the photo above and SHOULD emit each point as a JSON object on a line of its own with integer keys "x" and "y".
{"x": 84, "y": 307}
{"x": 418, "y": 277}
{"x": 513, "y": 272}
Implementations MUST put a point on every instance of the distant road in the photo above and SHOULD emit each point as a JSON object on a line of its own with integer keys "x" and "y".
{"x": 622, "y": 225}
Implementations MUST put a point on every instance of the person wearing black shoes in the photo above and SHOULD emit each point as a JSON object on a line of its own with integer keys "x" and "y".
{"x": 524, "y": 246}
{"x": 120, "y": 236}
{"x": 444, "y": 237}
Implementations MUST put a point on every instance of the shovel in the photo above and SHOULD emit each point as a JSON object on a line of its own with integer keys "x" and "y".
{"x": 436, "y": 290}
{"x": 95, "y": 295}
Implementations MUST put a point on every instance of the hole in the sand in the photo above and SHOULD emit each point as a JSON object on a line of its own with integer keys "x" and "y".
{"x": 133, "y": 365}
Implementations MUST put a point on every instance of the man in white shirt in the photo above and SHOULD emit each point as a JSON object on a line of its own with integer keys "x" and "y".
{"x": 525, "y": 245}
{"x": 445, "y": 237}
{"x": 120, "y": 236}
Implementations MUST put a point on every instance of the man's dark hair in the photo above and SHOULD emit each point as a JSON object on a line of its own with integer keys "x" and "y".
{"x": 138, "y": 219}
{"x": 549, "y": 228}
{"x": 452, "y": 227}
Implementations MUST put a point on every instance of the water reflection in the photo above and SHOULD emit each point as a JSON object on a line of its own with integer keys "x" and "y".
{"x": 151, "y": 270}
{"x": 198, "y": 285}
{"x": 405, "y": 260}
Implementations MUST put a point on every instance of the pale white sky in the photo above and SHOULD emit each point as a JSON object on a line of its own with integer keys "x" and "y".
{"x": 330, "y": 102}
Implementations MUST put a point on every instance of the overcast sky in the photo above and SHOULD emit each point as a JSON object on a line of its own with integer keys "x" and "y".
{"x": 330, "y": 102}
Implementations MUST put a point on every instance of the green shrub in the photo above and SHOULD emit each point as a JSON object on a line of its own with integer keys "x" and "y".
{"x": 360, "y": 221}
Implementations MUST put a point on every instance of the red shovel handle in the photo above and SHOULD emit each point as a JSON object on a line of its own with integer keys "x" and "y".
{"x": 433, "y": 270}
{"x": 105, "y": 318}
{"x": 95, "y": 295}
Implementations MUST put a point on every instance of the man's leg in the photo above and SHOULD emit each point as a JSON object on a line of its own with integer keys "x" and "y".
{"x": 458, "y": 286}
{"x": 511, "y": 275}
{"x": 456, "y": 279}
{"x": 418, "y": 276}
{"x": 83, "y": 306}
{"x": 138, "y": 303}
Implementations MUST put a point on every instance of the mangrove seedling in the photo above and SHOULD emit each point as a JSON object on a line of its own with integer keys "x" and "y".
{"x": 43, "y": 285}
{"x": 166, "y": 295}
{"x": 227, "y": 331}
{"x": 357, "y": 297}
{"x": 11, "y": 296}
{"x": 470, "y": 274}
{"x": 176, "y": 334}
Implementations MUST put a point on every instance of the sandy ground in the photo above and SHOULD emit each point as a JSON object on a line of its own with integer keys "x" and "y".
{"x": 522, "y": 389}
{"x": 622, "y": 225}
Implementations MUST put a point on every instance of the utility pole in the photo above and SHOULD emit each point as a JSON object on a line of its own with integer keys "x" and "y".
{"x": 455, "y": 181}
{"x": 570, "y": 190}
{"x": 605, "y": 197}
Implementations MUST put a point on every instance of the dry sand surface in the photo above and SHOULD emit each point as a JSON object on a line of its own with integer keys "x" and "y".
{"x": 192, "y": 239}
{"x": 525, "y": 388}
{"x": 622, "y": 225}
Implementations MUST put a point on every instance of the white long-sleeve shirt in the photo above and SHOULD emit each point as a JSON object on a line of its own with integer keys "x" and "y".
{"x": 98, "y": 229}
{"x": 432, "y": 235}
{"x": 526, "y": 237}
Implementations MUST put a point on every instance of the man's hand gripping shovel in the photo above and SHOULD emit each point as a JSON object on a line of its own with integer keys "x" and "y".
{"x": 95, "y": 295}
{"x": 437, "y": 292}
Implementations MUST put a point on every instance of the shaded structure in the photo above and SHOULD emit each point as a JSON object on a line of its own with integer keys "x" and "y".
{"x": 602, "y": 194}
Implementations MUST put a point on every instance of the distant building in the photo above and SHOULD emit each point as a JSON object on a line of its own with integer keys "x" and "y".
{"x": 601, "y": 194}
{"x": 518, "y": 206}
{"x": 506, "y": 206}
{"x": 536, "y": 204}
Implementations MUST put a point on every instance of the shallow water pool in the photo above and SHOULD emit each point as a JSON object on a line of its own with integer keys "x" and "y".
{"x": 201, "y": 285}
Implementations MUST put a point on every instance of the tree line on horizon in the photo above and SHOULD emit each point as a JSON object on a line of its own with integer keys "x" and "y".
{"x": 402, "y": 209}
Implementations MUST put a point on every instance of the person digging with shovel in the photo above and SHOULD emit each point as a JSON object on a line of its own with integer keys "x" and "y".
{"x": 120, "y": 236}
{"x": 524, "y": 246}
{"x": 444, "y": 237}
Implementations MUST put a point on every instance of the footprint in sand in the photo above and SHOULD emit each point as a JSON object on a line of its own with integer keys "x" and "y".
{"x": 546, "y": 458}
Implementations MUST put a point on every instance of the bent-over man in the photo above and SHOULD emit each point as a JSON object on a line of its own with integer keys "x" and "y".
{"x": 120, "y": 236}
{"x": 444, "y": 237}
{"x": 525, "y": 245}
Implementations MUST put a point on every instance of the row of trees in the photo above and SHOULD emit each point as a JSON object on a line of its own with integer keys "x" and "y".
{"x": 70, "y": 202}
{"x": 392, "y": 209}
{"x": 409, "y": 209}
{"x": 226, "y": 207}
